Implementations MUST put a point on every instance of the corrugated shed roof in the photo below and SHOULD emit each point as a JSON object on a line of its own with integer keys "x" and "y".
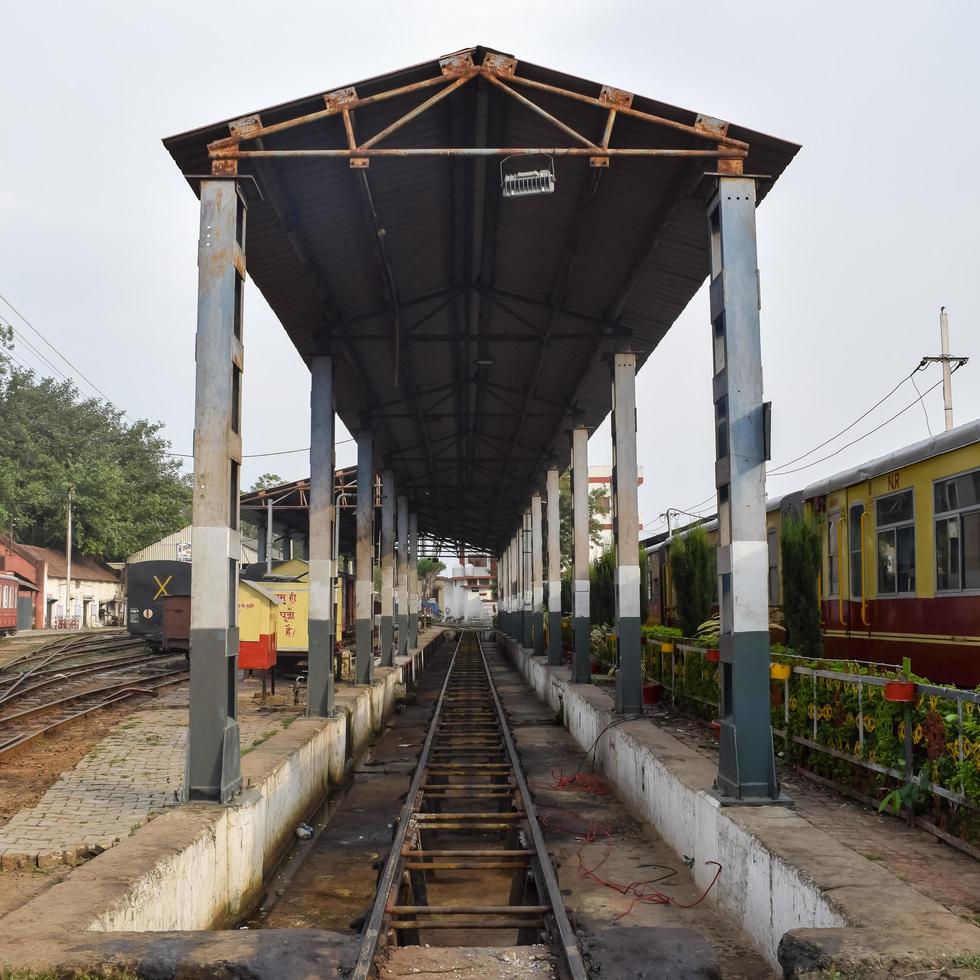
{"x": 539, "y": 285}
{"x": 82, "y": 568}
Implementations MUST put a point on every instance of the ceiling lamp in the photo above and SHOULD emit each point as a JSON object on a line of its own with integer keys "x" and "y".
{"x": 524, "y": 183}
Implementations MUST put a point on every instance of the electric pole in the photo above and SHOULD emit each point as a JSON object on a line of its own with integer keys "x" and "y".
{"x": 71, "y": 490}
{"x": 946, "y": 360}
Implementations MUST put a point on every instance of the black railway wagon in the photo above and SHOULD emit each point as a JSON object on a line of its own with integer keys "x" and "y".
{"x": 148, "y": 583}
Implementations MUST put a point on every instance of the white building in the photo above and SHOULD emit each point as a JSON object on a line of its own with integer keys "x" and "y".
{"x": 467, "y": 593}
{"x": 600, "y": 477}
{"x": 96, "y": 594}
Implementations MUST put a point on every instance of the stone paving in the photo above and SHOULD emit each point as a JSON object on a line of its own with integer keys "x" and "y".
{"x": 126, "y": 779}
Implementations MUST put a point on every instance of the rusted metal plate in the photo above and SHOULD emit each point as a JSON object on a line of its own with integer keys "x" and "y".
{"x": 340, "y": 97}
{"x": 615, "y": 98}
{"x": 711, "y": 125}
{"x": 224, "y": 167}
{"x": 245, "y": 127}
{"x": 455, "y": 64}
{"x": 500, "y": 64}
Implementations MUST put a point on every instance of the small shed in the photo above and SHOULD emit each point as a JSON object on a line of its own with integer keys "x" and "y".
{"x": 257, "y": 622}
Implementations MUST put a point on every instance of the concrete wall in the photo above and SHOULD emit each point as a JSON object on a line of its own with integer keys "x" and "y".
{"x": 201, "y": 866}
{"x": 665, "y": 783}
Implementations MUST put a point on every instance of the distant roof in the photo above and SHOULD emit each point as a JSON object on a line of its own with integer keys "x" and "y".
{"x": 962, "y": 435}
{"x": 471, "y": 330}
{"x": 82, "y": 568}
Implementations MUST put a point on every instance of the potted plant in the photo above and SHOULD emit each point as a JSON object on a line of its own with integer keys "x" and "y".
{"x": 652, "y": 692}
{"x": 712, "y": 655}
{"x": 900, "y": 691}
{"x": 780, "y": 672}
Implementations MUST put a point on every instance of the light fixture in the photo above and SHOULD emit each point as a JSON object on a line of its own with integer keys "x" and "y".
{"x": 485, "y": 360}
{"x": 524, "y": 183}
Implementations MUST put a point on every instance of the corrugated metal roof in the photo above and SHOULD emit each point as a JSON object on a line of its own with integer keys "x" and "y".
{"x": 538, "y": 285}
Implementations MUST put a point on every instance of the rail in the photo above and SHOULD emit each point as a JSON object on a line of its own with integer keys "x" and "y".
{"x": 468, "y": 762}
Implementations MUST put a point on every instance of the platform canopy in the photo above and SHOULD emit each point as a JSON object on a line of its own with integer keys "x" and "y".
{"x": 471, "y": 329}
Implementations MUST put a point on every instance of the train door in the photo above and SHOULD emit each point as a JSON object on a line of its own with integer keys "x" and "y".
{"x": 836, "y": 618}
{"x": 857, "y": 614}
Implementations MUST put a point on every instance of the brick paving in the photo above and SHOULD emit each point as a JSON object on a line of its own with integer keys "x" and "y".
{"x": 126, "y": 779}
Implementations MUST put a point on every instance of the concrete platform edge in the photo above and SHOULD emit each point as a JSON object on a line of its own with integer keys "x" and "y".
{"x": 805, "y": 900}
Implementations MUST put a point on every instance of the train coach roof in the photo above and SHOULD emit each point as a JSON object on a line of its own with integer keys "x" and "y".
{"x": 962, "y": 435}
{"x": 470, "y": 331}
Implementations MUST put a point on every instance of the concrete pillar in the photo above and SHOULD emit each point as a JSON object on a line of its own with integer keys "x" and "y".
{"x": 261, "y": 548}
{"x": 413, "y": 581}
{"x": 213, "y": 751}
{"x": 537, "y": 576}
{"x": 554, "y": 569}
{"x": 515, "y": 578}
{"x": 626, "y": 535}
{"x": 746, "y": 770}
{"x": 402, "y": 575}
{"x": 501, "y": 607}
{"x": 364, "y": 559}
{"x": 527, "y": 625}
{"x": 387, "y": 568}
{"x": 322, "y": 574}
{"x": 582, "y": 662}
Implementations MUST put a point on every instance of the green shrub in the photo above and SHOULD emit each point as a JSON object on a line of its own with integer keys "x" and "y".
{"x": 692, "y": 568}
{"x": 801, "y": 545}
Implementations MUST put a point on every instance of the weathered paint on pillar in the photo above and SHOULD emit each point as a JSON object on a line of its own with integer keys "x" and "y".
{"x": 402, "y": 596}
{"x": 746, "y": 768}
{"x": 387, "y": 568}
{"x": 554, "y": 569}
{"x": 413, "y": 581}
{"x": 213, "y": 750}
{"x": 537, "y": 576}
{"x": 626, "y": 535}
{"x": 582, "y": 662}
{"x": 364, "y": 558}
{"x": 322, "y": 574}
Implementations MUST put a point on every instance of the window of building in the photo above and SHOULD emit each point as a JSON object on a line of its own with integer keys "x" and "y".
{"x": 894, "y": 517}
{"x": 833, "y": 564}
{"x": 957, "y": 504}
{"x": 773, "y": 566}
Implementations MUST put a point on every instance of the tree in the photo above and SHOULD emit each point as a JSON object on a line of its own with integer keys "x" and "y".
{"x": 128, "y": 489}
{"x": 566, "y": 534}
{"x": 428, "y": 571}
{"x": 602, "y": 588}
{"x": 265, "y": 481}
{"x": 800, "y": 541}
{"x": 692, "y": 568}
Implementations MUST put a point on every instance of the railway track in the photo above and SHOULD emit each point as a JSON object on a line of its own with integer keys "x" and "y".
{"x": 468, "y": 864}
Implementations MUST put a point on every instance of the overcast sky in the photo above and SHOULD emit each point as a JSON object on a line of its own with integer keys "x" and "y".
{"x": 872, "y": 228}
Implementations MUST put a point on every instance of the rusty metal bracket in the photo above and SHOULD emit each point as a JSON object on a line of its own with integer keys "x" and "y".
{"x": 500, "y": 64}
{"x": 456, "y": 64}
{"x": 244, "y": 128}
{"x": 340, "y": 98}
{"x": 711, "y": 126}
{"x": 615, "y": 98}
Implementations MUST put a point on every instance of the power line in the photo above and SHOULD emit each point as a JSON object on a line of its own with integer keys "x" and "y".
{"x": 923, "y": 404}
{"x": 91, "y": 384}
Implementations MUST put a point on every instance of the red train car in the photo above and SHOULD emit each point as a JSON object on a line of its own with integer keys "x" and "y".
{"x": 8, "y": 605}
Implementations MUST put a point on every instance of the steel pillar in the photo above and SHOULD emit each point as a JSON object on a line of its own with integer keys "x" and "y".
{"x": 746, "y": 771}
{"x": 626, "y": 535}
{"x": 322, "y": 574}
{"x": 527, "y": 625}
{"x": 402, "y": 596}
{"x": 364, "y": 561}
{"x": 537, "y": 576}
{"x": 582, "y": 662}
{"x": 554, "y": 569}
{"x": 413, "y": 581}
{"x": 213, "y": 752}
{"x": 387, "y": 568}
{"x": 501, "y": 591}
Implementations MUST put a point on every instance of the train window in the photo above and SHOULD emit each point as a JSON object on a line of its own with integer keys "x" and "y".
{"x": 833, "y": 559}
{"x": 957, "y": 504}
{"x": 896, "y": 543}
{"x": 856, "y": 549}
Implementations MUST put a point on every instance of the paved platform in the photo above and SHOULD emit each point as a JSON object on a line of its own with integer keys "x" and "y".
{"x": 129, "y": 777}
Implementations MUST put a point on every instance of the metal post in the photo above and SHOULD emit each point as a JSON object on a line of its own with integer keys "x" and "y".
{"x": 746, "y": 769}
{"x": 502, "y": 591}
{"x": 323, "y": 570}
{"x": 387, "y": 568}
{"x": 515, "y": 575}
{"x": 626, "y": 535}
{"x": 364, "y": 558}
{"x": 413, "y": 581}
{"x": 68, "y": 616}
{"x": 269, "y": 536}
{"x": 947, "y": 374}
{"x": 582, "y": 663}
{"x": 527, "y": 638}
{"x": 554, "y": 569}
{"x": 213, "y": 749}
{"x": 537, "y": 576}
{"x": 402, "y": 576}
